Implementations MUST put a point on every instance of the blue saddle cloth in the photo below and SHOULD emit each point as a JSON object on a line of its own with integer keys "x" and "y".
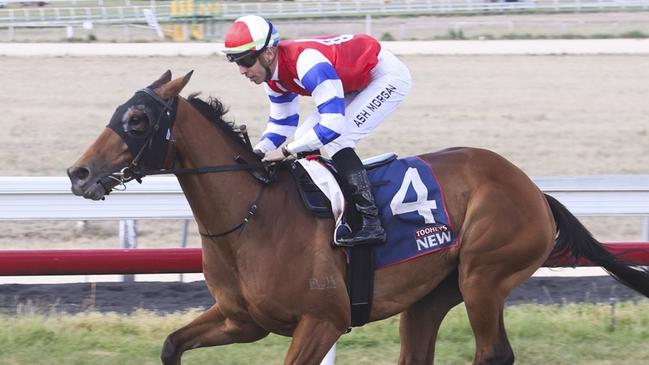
{"x": 412, "y": 210}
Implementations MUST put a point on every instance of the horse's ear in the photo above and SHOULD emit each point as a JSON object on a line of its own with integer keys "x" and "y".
{"x": 173, "y": 88}
{"x": 165, "y": 78}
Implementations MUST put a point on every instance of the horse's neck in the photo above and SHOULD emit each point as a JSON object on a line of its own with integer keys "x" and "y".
{"x": 218, "y": 200}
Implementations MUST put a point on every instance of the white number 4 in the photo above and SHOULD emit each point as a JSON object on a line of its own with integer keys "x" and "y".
{"x": 422, "y": 205}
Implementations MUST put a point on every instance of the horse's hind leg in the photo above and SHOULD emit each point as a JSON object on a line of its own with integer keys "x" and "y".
{"x": 211, "y": 328}
{"x": 502, "y": 247}
{"x": 485, "y": 287}
{"x": 486, "y": 279}
{"x": 485, "y": 312}
{"x": 420, "y": 323}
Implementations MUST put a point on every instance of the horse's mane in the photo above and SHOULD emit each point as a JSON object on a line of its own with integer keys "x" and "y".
{"x": 214, "y": 110}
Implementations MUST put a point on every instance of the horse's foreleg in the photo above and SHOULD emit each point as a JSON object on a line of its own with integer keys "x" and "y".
{"x": 211, "y": 328}
{"x": 420, "y": 323}
{"x": 312, "y": 339}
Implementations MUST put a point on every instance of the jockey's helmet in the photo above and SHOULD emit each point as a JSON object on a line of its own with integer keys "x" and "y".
{"x": 247, "y": 38}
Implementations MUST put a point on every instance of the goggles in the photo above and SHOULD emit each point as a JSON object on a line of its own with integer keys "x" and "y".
{"x": 249, "y": 58}
{"x": 245, "y": 60}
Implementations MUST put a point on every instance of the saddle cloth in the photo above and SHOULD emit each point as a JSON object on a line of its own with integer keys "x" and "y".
{"x": 411, "y": 207}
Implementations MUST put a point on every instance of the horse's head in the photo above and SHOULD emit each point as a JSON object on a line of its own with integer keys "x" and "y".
{"x": 136, "y": 137}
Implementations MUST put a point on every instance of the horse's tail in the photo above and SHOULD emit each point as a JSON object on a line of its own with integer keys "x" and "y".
{"x": 576, "y": 241}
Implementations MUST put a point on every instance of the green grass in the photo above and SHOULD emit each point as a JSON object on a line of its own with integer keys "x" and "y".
{"x": 570, "y": 334}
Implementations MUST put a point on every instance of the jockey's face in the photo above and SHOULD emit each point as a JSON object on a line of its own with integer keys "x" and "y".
{"x": 262, "y": 69}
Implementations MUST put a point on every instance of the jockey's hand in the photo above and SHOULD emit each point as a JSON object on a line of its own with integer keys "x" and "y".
{"x": 276, "y": 155}
{"x": 258, "y": 153}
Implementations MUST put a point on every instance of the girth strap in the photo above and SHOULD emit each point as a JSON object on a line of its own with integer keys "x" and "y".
{"x": 360, "y": 278}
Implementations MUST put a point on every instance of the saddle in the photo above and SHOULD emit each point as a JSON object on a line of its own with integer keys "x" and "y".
{"x": 312, "y": 196}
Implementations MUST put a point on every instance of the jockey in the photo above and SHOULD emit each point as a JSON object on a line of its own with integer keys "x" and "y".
{"x": 355, "y": 84}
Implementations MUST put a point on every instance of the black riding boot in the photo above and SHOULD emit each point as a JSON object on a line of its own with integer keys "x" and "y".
{"x": 351, "y": 169}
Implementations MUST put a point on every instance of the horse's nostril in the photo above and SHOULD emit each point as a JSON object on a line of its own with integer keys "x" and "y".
{"x": 80, "y": 173}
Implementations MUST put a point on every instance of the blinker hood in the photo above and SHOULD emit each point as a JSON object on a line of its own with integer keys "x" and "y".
{"x": 148, "y": 148}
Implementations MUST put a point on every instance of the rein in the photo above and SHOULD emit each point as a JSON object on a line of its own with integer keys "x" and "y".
{"x": 132, "y": 172}
{"x": 123, "y": 178}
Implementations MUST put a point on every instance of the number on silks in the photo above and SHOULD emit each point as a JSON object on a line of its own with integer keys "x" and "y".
{"x": 329, "y": 41}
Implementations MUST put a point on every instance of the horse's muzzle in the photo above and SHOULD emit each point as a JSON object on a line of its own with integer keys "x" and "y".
{"x": 86, "y": 185}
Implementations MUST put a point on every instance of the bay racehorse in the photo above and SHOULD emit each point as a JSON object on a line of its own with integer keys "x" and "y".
{"x": 262, "y": 250}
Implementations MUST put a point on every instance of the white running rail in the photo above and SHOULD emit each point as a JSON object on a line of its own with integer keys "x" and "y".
{"x": 49, "y": 198}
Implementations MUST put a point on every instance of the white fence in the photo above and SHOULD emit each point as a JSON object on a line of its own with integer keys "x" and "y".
{"x": 420, "y": 7}
{"x": 610, "y": 195}
{"x": 131, "y": 12}
{"x": 69, "y": 16}
{"x": 49, "y": 198}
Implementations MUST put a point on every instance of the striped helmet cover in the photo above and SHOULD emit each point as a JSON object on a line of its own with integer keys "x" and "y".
{"x": 249, "y": 33}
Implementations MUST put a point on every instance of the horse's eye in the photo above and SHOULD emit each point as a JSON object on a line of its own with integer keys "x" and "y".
{"x": 138, "y": 124}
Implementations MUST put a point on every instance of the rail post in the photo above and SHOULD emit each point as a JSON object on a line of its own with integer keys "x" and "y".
{"x": 368, "y": 24}
{"x": 128, "y": 238}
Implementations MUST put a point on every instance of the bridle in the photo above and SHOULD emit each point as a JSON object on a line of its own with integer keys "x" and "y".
{"x": 134, "y": 170}
{"x": 165, "y": 120}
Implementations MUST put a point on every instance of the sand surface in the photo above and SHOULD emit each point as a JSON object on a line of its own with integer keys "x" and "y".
{"x": 550, "y": 115}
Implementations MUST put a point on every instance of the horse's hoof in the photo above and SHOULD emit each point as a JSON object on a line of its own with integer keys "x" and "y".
{"x": 169, "y": 355}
